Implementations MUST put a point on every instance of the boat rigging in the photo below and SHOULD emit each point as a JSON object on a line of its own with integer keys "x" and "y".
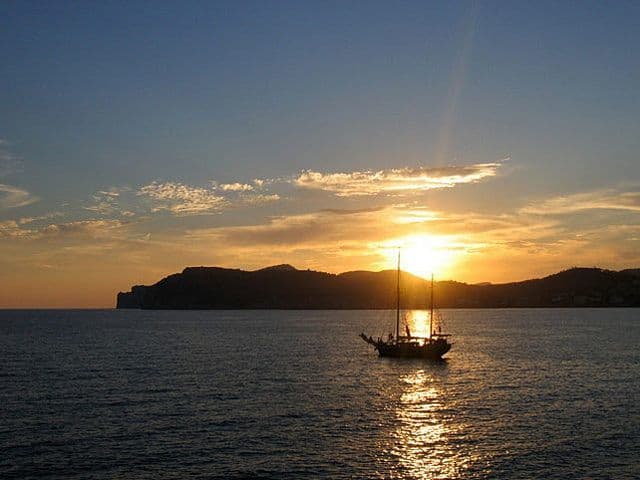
{"x": 408, "y": 346}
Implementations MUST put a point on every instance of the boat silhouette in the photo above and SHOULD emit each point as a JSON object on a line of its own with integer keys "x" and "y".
{"x": 432, "y": 347}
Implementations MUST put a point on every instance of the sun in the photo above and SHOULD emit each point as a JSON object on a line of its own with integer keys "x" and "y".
{"x": 422, "y": 255}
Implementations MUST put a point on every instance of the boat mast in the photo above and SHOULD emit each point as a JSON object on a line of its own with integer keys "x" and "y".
{"x": 431, "y": 315}
{"x": 398, "y": 299}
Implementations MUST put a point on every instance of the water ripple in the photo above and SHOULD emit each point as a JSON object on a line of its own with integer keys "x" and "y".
{"x": 134, "y": 394}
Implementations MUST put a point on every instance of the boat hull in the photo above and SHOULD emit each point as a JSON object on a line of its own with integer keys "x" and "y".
{"x": 431, "y": 350}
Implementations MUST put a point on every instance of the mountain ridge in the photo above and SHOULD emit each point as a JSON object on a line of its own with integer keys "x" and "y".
{"x": 285, "y": 287}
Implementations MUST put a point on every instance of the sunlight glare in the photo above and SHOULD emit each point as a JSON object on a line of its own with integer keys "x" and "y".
{"x": 419, "y": 322}
{"x": 422, "y": 255}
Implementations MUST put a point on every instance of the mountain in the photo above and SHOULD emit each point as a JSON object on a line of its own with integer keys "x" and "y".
{"x": 285, "y": 287}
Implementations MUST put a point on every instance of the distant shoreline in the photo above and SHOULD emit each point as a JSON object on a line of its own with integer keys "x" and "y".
{"x": 283, "y": 287}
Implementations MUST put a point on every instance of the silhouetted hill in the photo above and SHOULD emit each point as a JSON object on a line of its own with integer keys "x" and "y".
{"x": 632, "y": 271}
{"x": 284, "y": 287}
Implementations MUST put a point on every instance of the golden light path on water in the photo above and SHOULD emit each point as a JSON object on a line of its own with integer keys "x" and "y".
{"x": 425, "y": 434}
{"x": 421, "y": 440}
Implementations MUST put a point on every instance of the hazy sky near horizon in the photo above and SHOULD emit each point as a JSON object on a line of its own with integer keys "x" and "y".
{"x": 494, "y": 141}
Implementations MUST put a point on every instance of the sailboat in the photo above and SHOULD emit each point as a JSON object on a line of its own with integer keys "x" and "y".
{"x": 432, "y": 347}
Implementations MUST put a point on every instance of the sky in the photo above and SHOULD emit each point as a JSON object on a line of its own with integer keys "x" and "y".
{"x": 490, "y": 141}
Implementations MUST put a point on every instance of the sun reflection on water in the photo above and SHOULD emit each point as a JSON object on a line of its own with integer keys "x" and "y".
{"x": 421, "y": 439}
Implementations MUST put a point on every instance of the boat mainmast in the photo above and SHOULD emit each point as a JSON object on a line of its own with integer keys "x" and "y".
{"x": 431, "y": 323}
{"x": 398, "y": 299}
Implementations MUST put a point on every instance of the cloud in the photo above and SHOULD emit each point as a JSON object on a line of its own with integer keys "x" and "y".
{"x": 360, "y": 228}
{"x": 90, "y": 228}
{"x": 481, "y": 247}
{"x": 107, "y": 202}
{"x": 39, "y": 218}
{"x": 81, "y": 228}
{"x": 362, "y": 238}
{"x": 112, "y": 193}
{"x": 312, "y": 229}
{"x": 394, "y": 181}
{"x": 334, "y": 240}
{"x": 258, "y": 199}
{"x": 236, "y": 187}
{"x": 605, "y": 199}
{"x": 9, "y": 163}
{"x": 13, "y": 197}
{"x": 324, "y": 231}
{"x": 10, "y": 196}
{"x": 12, "y": 229}
{"x": 102, "y": 208}
{"x": 182, "y": 199}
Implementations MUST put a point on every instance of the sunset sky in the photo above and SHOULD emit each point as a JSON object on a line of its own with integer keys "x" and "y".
{"x": 493, "y": 141}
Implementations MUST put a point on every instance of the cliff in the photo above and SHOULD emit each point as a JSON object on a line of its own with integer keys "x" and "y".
{"x": 284, "y": 287}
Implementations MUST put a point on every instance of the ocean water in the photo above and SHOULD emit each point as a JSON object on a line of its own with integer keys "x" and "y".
{"x": 529, "y": 393}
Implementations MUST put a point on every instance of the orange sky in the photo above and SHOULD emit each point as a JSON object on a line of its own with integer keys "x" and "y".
{"x": 491, "y": 142}
{"x": 84, "y": 264}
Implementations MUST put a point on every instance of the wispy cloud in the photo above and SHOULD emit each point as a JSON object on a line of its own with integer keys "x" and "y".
{"x": 9, "y": 163}
{"x": 93, "y": 228}
{"x": 256, "y": 199}
{"x": 182, "y": 199}
{"x": 89, "y": 228}
{"x": 357, "y": 233}
{"x": 236, "y": 187}
{"x": 39, "y": 218}
{"x": 107, "y": 202}
{"x": 13, "y": 197}
{"x": 394, "y": 181}
{"x": 605, "y": 199}
{"x": 315, "y": 239}
{"x": 361, "y": 238}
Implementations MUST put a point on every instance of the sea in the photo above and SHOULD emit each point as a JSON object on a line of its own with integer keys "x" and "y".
{"x": 129, "y": 394}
